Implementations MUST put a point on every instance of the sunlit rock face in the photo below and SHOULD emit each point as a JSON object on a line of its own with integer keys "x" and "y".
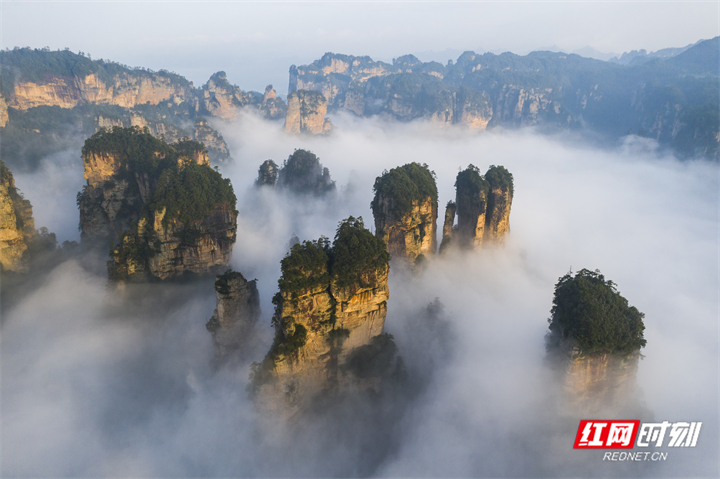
{"x": 405, "y": 211}
{"x": 17, "y": 226}
{"x": 482, "y": 205}
{"x": 329, "y": 318}
{"x": 126, "y": 89}
{"x": 597, "y": 381}
{"x": 238, "y": 309}
{"x": 163, "y": 208}
{"x": 306, "y": 112}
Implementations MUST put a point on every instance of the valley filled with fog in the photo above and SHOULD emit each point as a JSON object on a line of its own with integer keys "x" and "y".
{"x": 97, "y": 383}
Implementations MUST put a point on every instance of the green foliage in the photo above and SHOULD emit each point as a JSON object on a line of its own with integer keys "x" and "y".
{"x": 190, "y": 193}
{"x": 374, "y": 359}
{"x": 222, "y": 285}
{"x": 302, "y": 173}
{"x": 498, "y": 176}
{"x": 305, "y": 266}
{"x": 402, "y": 186}
{"x": 137, "y": 149}
{"x": 589, "y": 309}
{"x": 356, "y": 252}
{"x": 292, "y": 343}
{"x": 133, "y": 248}
{"x": 471, "y": 181}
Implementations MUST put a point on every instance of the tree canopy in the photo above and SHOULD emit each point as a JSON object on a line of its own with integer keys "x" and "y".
{"x": 403, "y": 185}
{"x": 590, "y": 310}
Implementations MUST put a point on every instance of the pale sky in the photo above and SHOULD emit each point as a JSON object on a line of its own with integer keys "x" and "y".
{"x": 256, "y": 42}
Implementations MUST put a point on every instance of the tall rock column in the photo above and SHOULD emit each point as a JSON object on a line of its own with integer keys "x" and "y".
{"x": 237, "y": 313}
{"x": 17, "y": 226}
{"x": 405, "y": 210}
{"x": 306, "y": 110}
{"x": 332, "y": 301}
{"x": 483, "y": 206}
{"x": 594, "y": 343}
{"x": 164, "y": 209}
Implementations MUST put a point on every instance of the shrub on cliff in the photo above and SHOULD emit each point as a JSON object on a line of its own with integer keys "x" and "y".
{"x": 354, "y": 252}
{"x": 402, "y": 186}
{"x": 471, "y": 181}
{"x": 499, "y": 177}
{"x": 589, "y": 310}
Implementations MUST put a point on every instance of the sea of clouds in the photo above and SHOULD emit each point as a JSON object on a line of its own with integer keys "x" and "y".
{"x": 99, "y": 384}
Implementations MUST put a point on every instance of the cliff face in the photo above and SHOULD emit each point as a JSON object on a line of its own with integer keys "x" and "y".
{"x": 124, "y": 89}
{"x": 238, "y": 310}
{"x": 413, "y": 233}
{"x": 165, "y": 251}
{"x": 267, "y": 174}
{"x": 139, "y": 203}
{"x": 17, "y": 226}
{"x": 483, "y": 208}
{"x": 405, "y": 210}
{"x": 322, "y": 319}
{"x": 306, "y": 113}
{"x": 3, "y": 111}
{"x": 598, "y": 381}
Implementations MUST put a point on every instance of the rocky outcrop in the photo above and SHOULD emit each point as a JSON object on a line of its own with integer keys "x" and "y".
{"x": 156, "y": 250}
{"x": 213, "y": 141}
{"x": 223, "y": 100}
{"x": 331, "y": 304}
{"x": 3, "y": 111}
{"x": 272, "y": 107}
{"x": 124, "y": 89}
{"x": 238, "y": 310}
{"x": 303, "y": 174}
{"x": 594, "y": 343}
{"x": 306, "y": 113}
{"x": 597, "y": 381}
{"x": 483, "y": 208}
{"x": 405, "y": 210}
{"x": 166, "y": 211}
{"x": 17, "y": 226}
{"x": 267, "y": 174}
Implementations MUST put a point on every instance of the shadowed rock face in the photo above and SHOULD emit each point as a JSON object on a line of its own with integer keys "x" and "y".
{"x": 482, "y": 204}
{"x": 232, "y": 325}
{"x": 405, "y": 212}
{"x": 306, "y": 112}
{"x": 131, "y": 200}
{"x": 325, "y": 310}
{"x": 17, "y": 226}
{"x": 267, "y": 174}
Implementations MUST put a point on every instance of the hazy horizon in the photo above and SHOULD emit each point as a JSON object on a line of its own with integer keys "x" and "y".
{"x": 255, "y": 43}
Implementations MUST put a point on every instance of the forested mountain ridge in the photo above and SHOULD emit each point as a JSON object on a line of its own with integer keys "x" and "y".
{"x": 51, "y": 100}
{"x": 674, "y": 101}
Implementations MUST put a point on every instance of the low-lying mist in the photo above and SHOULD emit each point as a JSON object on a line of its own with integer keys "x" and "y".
{"x": 99, "y": 384}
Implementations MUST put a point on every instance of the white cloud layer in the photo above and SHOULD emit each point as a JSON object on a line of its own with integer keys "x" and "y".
{"x": 98, "y": 386}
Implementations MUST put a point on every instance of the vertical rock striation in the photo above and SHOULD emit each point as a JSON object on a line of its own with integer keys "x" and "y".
{"x": 267, "y": 174}
{"x": 483, "y": 208}
{"x": 306, "y": 111}
{"x": 332, "y": 303}
{"x": 17, "y": 226}
{"x": 405, "y": 210}
{"x": 166, "y": 211}
{"x": 238, "y": 310}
